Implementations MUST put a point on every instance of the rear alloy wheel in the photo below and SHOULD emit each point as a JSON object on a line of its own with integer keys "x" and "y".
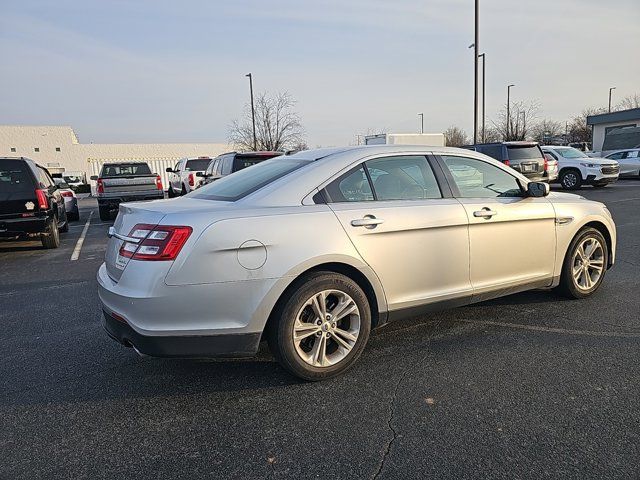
{"x": 322, "y": 328}
{"x": 570, "y": 179}
{"x": 51, "y": 239}
{"x": 584, "y": 265}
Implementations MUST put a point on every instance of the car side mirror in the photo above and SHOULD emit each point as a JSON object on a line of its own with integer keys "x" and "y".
{"x": 169, "y": 170}
{"x": 538, "y": 189}
{"x": 201, "y": 174}
{"x": 94, "y": 177}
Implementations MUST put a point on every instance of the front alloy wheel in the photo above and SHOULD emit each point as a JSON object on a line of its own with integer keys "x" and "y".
{"x": 584, "y": 265}
{"x": 571, "y": 180}
{"x": 321, "y": 326}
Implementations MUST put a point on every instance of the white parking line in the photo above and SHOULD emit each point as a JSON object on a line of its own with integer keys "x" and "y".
{"x": 76, "y": 251}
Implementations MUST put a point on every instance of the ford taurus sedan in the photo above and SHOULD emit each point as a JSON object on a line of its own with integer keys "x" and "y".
{"x": 313, "y": 250}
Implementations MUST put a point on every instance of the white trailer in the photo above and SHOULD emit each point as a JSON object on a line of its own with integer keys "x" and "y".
{"x": 429, "y": 139}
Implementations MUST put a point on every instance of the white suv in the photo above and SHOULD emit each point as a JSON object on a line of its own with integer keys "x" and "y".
{"x": 576, "y": 168}
{"x": 183, "y": 177}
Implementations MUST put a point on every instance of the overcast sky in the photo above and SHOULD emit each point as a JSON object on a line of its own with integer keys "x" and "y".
{"x": 173, "y": 71}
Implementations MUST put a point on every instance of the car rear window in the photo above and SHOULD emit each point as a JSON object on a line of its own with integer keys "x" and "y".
{"x": 494, "y": 151}
{"x": 242, "y": 162}
{"x": 239, "y": 185}
{"x": 524, "y": 153}
{"x": 15, "y": 176}
{"x": 125, "y": 170}
{"x": 199, "y": 164}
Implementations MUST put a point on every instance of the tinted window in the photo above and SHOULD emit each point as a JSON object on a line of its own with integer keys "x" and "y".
{"x": 199, "y": 164}
{"x": 211, "y": 167}
{"x": 44, "y": 179}
{"x": 15, "y": 176}
{"x": 494, "y": 151}
{"x": 524, "y": 153}
{"x": 403, "y": 178}
{"x": 234, "y": 187}
{"x": 351, "y": 187}
{"x": 240, "y": 163}
{"x": 477, "y": 179}
{"x": 125, "y": 169}
{"x": 615, "y": 156}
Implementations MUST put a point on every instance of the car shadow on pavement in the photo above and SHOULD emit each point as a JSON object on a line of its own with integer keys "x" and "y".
{"x": 20, "y": 247}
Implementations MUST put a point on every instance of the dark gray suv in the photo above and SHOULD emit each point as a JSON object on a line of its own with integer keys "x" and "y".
{"x": 524, "y": 157}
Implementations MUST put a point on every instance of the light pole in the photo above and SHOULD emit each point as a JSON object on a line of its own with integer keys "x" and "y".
{"x": 476, "y": 42}
{"x": 253, "y": 112}
{"x": 610, "y": 90}
{"x": 508, "y": 103}
{"x": 483, "y": 93}
{"x": 421, "y": 115}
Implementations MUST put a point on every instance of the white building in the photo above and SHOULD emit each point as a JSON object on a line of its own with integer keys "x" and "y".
{"x": 606, "y": 123}
{"x": 429, "y": 139}
{"x": 58, "y": 149}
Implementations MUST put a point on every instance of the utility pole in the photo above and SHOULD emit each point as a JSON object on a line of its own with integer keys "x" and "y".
{"x": 253, "y": 112}
{"x": 475, "y": 72}
{"x": 421, "y": 115}
{"x": 508, "y": 105}
{"x": 484, "y": 90}
{"x": 610, "y": 90}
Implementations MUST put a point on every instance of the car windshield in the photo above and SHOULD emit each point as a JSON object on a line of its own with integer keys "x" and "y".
{"x": 125, "y": 170}
{"x": 571, "y": 153}
{"x": 197, "y": 165}
{"x": 240, "y": 184}
{"x": 15, "y": 176}
{"x": 524, "y": 153}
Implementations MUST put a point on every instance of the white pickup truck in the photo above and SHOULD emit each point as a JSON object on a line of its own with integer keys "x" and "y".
{"x": 184, "y": 178}
{"x": 125, "y": 182}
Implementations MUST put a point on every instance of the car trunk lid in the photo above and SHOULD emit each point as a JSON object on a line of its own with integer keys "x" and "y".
{"x": 17, "y": 189}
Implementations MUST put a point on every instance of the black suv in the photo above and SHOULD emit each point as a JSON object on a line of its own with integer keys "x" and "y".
{"x": 31, "y": 205}
{"x": 231, "y": 162}
{"x": 524, "y": 157}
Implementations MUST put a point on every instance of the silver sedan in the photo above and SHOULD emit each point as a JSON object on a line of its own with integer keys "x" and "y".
{"x": 313, "y": 250}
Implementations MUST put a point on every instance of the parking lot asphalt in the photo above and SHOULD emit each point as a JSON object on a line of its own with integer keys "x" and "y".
{"x": 526, "y": 386}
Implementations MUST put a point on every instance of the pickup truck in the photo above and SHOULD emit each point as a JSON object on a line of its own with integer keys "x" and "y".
{"x": 184, "y": 178}
{"x": 125, "y": 182}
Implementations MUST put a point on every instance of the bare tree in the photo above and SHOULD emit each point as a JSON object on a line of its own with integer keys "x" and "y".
{"x": 629, "y": 102}
{"x": 278, "y": 126}
{"x": 491, "y": 135}
{"x": 579, "y": 131}
{"x": 456, "y": 137}
{"x": 521, "y": 116}
{"x": 546, "y": 129}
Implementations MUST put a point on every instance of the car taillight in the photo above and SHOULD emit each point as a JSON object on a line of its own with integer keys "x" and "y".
{"x": 507, "y": 162}
{"x": 157, "y": 242}
{"x": 191, "y": 180}
{"x": 546, "y": 164}
{"x": 43, "y": 201}
{"x": 158, "y": 182}
{"x": 100, "y": 186}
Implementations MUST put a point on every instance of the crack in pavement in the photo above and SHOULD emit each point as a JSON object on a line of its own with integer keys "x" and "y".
{"x": 392, "y": 406}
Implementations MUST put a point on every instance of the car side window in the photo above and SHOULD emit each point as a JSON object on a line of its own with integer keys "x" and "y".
{"x": 177, "y": 167}
{"x": 213, "y": 167}
{"x": 352, "y": 186}
{"x": 43, "y": 179}
{"x": 478, "y": 179}
{"x": 553, "y": 155}
{"x": 226, "y": 166}
{"x": 403, "y": 178}
{"x": 633, "y": 154}
{"x": 616, "y": 156}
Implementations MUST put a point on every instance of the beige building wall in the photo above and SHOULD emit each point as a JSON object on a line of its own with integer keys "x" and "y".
{"x": 53, "y": 146}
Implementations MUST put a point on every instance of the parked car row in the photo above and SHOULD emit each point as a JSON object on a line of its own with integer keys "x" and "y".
{"x": 32, "y": 206}
{"x": 577, "y": 168}
{"x": 192, "y": 173}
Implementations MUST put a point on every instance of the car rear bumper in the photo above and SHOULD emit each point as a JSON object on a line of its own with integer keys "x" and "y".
{"x": 22, "y": 227}
{"x": 116, "y": 200}
{"x": 194, "y": 346}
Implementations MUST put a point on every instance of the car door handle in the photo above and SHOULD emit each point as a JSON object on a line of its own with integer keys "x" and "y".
{"x": 368, "y": 221}
{"x": 485, "y": 213}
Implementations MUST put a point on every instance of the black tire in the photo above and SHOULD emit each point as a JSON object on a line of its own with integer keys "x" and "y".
{"x": 51, "y": 239}
{"x": 568, "y": 286}
{"x": 105, "y": 213}
{"x": 171, "y": 193}
{"x": 65, "y": 227}
{"x": 570, "y": 179}
{"x": 184, "y": 190}
{"x": 73, "y": 216}
{"x": 280, "y": 329}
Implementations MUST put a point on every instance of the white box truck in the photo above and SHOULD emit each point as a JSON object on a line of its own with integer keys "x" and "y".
{"x": 429, "y": 139}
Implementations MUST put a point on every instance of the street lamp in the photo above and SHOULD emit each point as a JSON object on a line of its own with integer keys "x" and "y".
{"x": 253, "y": 112}
{"x": 508, "y": 103}
{"x": 483, "y": 94}
{"x": 476, "y": 42}
{"x": 610, "y": 90}
{"x": 421, "y": 115}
